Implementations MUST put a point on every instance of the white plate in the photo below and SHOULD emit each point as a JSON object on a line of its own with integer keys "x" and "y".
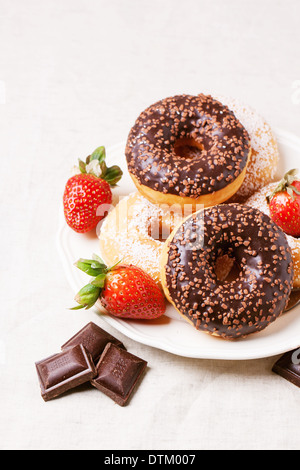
{"x": 171, "y": 333}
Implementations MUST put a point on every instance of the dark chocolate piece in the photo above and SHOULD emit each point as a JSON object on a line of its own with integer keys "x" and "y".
{"x": 94, "y": 339}
{"x": 288, "y": 366}
{"x": 64, "y": 371}
{"x": 118, "y": 372}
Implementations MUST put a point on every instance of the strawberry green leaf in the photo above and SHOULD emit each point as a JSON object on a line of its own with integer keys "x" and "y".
{"x": 114, "y": 265}
{"x": 113, "y": 175}
{"x": 88, "y": 296}
{"x": 290, "y": 176}
{"x": 98, "y": 154}
{"x": 90, "y": 267}
{"x": 97, "y": 258}
{"x": 290, "y": 192}
{"x": 285, "y": 185}
{"x": 95, "y": 165}
{"x": 90, "y": 293}
{"x": 82, "y": 166}
{"x": 77, "y": 307}
{"x": 97, "y": 265}
{"x": 99, "y": 280}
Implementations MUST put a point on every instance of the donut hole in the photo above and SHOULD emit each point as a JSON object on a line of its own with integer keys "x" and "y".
{"x": 188, "y": 148}
{"x": 158, "y": 229}
{"x": 226, "y": 269}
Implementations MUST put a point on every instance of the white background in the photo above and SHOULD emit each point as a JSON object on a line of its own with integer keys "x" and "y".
{"x": 74, "y": 74}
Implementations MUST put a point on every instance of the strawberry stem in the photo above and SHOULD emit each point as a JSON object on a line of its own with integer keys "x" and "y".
{"x": 87, "y": 296}
{"x": 112, "y": 175}
{"x": 98, "y": 154}
{"x": 286, "y": 184}
{"x": 90, "y": 293}
{"x": 91, "y": 267}
{"x": 95, "y": 165}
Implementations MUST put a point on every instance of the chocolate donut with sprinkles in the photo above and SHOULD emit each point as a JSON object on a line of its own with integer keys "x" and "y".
{"x": 255, "y": 291}
{"x": 188, "y": 150}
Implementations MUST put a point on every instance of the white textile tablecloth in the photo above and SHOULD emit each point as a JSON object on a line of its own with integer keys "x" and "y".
{"x": 74, "y": 74}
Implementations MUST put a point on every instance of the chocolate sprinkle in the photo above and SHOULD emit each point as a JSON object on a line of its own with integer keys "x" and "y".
{"x": 261, "y": 290}
{"x": 221, "y": 146}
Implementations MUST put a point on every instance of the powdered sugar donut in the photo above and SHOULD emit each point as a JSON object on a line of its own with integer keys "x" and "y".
{"x": 259, "y": 201}
{"x": 264, "y": 157}
{"x": 135, "y": 232}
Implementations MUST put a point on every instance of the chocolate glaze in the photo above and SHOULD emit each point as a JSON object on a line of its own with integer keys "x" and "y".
{"x": 260, "y": 292}
{"x": 211, "y": 126}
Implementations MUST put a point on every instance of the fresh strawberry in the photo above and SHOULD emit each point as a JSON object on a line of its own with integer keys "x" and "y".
{"x": 129, "y": 292}
{"x": 125, "y": 291}
{"x": 284, "y": 204}
{"x": 86, "y": 191}
{"x": 83, "y": 195}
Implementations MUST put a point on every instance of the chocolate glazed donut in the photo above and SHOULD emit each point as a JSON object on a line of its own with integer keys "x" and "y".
{"x": 188, "y": 149}
{"x": 261, "y": 287}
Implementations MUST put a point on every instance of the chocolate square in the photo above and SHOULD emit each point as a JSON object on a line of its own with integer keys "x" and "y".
{"x": 288, "y": 366}
{"x": 64, "y": 371}
{"x": 118, "y": 372}
{"x": 94, "y": 339}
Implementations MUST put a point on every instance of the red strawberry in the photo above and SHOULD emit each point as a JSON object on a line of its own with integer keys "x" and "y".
{"x": 284, "y": 204}
{"x": 83, "y": 195}
{"x": 129, "y": 292}
{"x": 125, "y": 291}
{"x": 86, "y": 191}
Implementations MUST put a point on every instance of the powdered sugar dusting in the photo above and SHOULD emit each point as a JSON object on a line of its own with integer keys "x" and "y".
{"x": 259, "y": 201}
{"x": 129, "y": 232}
{"x": 265, "y": 155}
